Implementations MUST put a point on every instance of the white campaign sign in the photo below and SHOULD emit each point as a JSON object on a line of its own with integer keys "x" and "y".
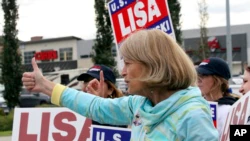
{"x": 238, "y": 114}
{"x": 49, "y": 124}
{"x": 61, "y": 124}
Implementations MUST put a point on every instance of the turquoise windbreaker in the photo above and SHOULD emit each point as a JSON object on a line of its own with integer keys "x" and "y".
{"x": 184, "y": 116}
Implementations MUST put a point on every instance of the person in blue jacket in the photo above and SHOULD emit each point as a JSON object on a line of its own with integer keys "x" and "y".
{"x": 166, "y": 105}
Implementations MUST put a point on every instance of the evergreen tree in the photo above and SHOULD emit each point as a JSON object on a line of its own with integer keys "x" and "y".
{"x": 11, "y": 58}
{"x": 175, "y": 8}
{"x": 104, "y": 37}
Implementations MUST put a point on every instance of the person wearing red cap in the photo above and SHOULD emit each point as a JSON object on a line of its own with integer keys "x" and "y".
{"x": 245, "y": 87}
{"x": 213, "y": 76}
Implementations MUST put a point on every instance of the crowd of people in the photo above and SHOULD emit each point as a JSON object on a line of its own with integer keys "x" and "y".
{"x": 169, "y": 95}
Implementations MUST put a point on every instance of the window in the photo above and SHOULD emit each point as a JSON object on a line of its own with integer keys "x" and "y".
{"x": 84, "y": 56}
{"x": 113, "y": 51}
{"x": 66, "y": 54}
{"x": 28, "y": 56}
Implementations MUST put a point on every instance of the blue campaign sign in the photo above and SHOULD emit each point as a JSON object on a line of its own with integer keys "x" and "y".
{"x": 129, "y": 15}
{"x": 214, "y": 107}
{"x": 105, "y": 133}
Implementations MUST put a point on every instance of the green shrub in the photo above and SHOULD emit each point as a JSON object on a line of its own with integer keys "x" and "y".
{"x": 6, "y": 121}
{"x": 2, "y": 112}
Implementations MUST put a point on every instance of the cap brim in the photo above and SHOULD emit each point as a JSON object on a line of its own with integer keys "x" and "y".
{"x": 85, "y": 76}
{"x": 201, "y": 70}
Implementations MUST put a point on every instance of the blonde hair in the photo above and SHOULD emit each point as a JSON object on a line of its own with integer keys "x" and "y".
{"x": 165, "y": 62}
{"x": 221, "y": 85}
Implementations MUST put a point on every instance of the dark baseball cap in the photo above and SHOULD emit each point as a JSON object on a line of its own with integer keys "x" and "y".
{"x": 94, "y": 71}
{"x": 214, "y": 66}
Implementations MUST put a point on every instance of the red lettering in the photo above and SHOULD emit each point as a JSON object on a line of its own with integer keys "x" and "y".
{"x": 45, "y": 127}
{"x": 60, "y": 125}
{"x": 23, "y": 135}
{"x": 236, "y": 114}
{"x": 226, "y": 128}
{"x": 136, "y": 15}
{"x": 244, "y": 112}
{"x": 46, "y": 55}
{"x": 49, "y": 55}
{"x": 54, "y": 54}
{"x": 237, "y": 117}
{"x": 37, "y": 56}
{"x": 85, "y": 133}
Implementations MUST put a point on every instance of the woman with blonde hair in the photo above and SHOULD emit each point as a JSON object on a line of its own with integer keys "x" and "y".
{"x": 213, "y": 82}
{"x": 166, "y": 104}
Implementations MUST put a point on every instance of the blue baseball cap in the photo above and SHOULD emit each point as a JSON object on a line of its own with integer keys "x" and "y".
{"x": 94, "y": 72}
{"x": 214, "y": 66}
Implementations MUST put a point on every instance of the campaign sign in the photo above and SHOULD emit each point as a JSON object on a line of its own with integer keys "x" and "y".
{"x": 104, "y": 133}
{"x": 239, "y": 114}
{"x": 49, "y": 124}
{"x": 128, "y": 16}
{"x": 214, "y": 107}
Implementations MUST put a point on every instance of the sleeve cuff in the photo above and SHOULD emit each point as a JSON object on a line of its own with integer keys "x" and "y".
{"x": 56, "y": 94}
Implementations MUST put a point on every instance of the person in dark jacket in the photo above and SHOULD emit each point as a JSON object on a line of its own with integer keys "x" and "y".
{"x": 213, "y": 76}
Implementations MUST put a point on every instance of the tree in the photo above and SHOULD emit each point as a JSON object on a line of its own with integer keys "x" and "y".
{"x": 11, "y": 58}
{"x": 204, "y": 49}
{"x": 175, "y": 7}
{"x": 104, "y": 37}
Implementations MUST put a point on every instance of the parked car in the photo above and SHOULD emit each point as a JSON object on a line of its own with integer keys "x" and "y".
{"x": 32, "y": 99}
{"x": 3, "y": 104}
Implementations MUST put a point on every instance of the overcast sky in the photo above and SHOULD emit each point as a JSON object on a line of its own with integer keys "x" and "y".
{"x": 58, "y": 18}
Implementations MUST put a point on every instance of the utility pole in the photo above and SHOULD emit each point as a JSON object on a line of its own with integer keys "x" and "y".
{"x": 229, "y": 40}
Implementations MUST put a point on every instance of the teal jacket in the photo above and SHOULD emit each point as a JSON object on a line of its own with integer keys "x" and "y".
{"x": 184, "y": 116}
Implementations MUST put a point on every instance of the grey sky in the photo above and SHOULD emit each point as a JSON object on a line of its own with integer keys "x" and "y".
{"x": 57, "y": 18}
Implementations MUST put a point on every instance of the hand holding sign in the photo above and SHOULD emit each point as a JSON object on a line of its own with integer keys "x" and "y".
{"x": 36, "y": 82}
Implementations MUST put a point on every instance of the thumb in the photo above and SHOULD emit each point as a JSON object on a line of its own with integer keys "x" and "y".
{"x": 34, "y": 64}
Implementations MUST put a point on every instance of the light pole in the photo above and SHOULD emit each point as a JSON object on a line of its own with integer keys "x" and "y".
{"x": 228, "y": 38}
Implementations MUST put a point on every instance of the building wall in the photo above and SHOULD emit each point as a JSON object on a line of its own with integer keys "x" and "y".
{"x": 82, "y": 49}
{"x": 240, "y": 35}
{"x": 55, "y": 45}
{"x": 84, "y": 63}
